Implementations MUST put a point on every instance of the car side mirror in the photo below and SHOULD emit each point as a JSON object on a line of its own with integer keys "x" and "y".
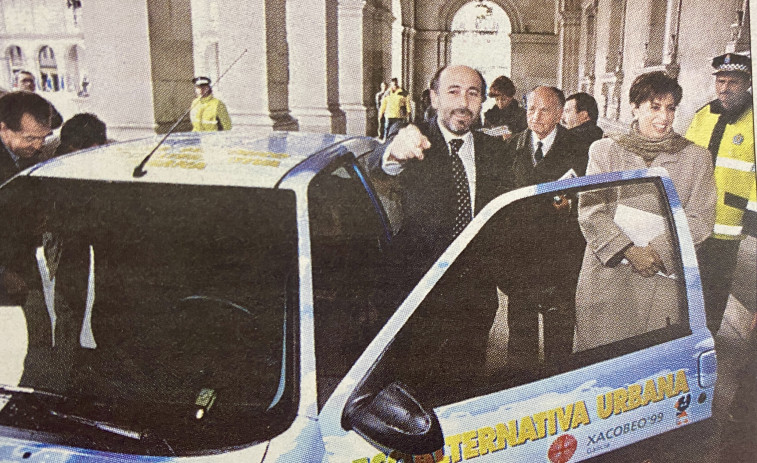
{"x": 394, "y": 420}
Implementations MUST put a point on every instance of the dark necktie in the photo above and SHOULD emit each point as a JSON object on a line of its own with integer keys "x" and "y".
{"x": 538, "y": 154}
{"x": 462, "y": 188}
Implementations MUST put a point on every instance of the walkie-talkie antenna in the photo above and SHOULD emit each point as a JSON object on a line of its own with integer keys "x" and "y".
{"x": 140, "y": 171}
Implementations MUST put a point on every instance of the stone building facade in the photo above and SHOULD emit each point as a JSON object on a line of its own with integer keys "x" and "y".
{"x": 315, "y": 65}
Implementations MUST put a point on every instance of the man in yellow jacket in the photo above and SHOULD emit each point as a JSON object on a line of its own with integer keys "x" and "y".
{"x": 395, "y": 106}
{"x": 208, "y": 113}
{"x": 726, "y": 127}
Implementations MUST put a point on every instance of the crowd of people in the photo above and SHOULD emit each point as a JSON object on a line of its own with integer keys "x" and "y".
{"x": 448, "y": 167}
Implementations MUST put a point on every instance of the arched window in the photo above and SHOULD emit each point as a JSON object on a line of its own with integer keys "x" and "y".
{"x": 15, "y": 58}
{"x": 48, "y": 69}
{"x": 481, "y": 38}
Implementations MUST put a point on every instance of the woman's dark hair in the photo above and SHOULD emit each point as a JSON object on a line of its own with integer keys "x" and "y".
{"x": 502, "y": 85}
{"x": 651, "y": 85}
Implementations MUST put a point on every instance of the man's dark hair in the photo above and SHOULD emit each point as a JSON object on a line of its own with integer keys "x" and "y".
{"x": 502, "y": 85}
{"x": 434, "y": 84}
{"x": 395, "y": 81}
{"x": 585, "y": 102}
{"x": 84, "y": 130}
{"x": 19, "y": 73}
{"x": 15, "y": 104}
{"x": 651, "y": 85}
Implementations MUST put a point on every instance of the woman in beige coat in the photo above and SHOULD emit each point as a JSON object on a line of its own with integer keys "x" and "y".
{"x": 628, "y": 288}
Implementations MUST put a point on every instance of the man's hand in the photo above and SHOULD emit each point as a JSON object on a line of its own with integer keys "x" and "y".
{"x": 644, "y": 260}
{"x": 409, "y": 143}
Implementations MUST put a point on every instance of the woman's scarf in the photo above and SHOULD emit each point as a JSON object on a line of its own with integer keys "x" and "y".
{"x": 649, "y": 148}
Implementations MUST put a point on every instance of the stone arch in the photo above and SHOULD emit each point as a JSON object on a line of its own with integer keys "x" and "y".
{"x": 448, "y": 11}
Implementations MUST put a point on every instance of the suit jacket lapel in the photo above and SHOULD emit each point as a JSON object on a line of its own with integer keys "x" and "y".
{"x": 8, "y": 168}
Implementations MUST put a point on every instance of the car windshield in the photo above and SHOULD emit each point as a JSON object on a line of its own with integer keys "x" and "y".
{"x": 158, "y": 317}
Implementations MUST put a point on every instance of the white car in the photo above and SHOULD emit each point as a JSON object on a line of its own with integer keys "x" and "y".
{"x": 222, "y": 302}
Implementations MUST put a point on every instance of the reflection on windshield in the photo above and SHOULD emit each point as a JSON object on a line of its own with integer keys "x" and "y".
{"x": 154, "y": 313}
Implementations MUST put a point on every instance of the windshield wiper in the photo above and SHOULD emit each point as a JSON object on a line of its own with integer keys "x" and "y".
{"x": 8, "y": 389}
{"x": 101, "y": 425}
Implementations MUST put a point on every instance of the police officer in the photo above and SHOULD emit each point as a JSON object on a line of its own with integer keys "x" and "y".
{"x": 725, "y": 126}
{"x": 208, "y": 113}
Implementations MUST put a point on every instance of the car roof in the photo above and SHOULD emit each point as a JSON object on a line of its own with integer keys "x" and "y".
{"x": 235, "y": 158}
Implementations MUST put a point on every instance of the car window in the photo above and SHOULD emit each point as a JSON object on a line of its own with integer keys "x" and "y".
{"x": 347, "y": 246}
{"x": 159, "y": 309}
{"x": 454, "y": 345}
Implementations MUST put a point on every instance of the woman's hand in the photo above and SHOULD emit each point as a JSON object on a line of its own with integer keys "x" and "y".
{"x": 644, "y": 260}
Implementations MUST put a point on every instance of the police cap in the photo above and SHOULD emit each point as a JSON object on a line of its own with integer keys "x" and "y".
{"x": 201, "y": 81}
{"x": 732, "y": 62}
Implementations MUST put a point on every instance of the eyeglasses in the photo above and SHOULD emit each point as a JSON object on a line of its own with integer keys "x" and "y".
{"x": 32, "y": 138}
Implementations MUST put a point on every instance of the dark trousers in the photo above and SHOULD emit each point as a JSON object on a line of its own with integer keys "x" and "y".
{"x": 717, "y": 261}
{"x": 390, "y": 121}
{"x": 523, "y": 323}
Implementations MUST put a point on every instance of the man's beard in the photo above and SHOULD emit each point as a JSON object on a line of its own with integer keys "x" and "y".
{"x": 460, "y": 112}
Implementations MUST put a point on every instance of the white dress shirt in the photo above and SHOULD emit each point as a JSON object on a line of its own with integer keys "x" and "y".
{"x": 546, "y": 142}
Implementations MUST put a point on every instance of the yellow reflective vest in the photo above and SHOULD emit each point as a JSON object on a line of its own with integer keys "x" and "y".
{"x": 209, "y": 114}
{"x": 395, "y": 105}
{"x": 734, "y": 165}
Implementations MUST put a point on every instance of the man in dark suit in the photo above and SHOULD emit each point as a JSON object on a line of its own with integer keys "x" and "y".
{"x": 26, "y": 120}
{"x": 447, "y": 173}
{"x": 580, "y": 117}
{"x": 549, "y": 247}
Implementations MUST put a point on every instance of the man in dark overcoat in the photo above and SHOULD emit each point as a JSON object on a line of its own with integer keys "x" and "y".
{"x": 548, "y": 246}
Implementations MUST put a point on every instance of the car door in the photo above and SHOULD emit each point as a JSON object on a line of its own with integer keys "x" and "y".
{"x": 435, "y": 384}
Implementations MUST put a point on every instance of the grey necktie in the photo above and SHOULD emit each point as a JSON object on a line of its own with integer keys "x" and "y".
{"x": 462, "y": 188}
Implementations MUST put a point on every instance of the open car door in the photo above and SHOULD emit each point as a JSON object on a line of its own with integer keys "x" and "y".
{"x": 436, "y": 383}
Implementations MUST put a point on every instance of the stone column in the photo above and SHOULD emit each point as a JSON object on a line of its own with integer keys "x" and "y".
{"x": 569, "y": 42}
{"x": 143, "y": 84}
{"x": 408, "y": 47}
{"x": 382, "y": 41}
{"x": 426, "y": 56}
{"x": 529, "y": 53}
{"x": 255, "y": 89}
{"x": 314, "y": 86}
{"x": 445, "y": 49}
{"x": 355, "y": 80}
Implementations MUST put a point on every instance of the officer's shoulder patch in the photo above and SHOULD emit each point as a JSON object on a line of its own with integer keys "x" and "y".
{"x": 738, "y": 139}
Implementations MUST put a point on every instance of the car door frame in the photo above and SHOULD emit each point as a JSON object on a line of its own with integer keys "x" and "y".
{"x": 331, "y": 415}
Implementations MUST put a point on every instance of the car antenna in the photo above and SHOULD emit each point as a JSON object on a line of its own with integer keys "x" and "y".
{"x": 140, "y": 171}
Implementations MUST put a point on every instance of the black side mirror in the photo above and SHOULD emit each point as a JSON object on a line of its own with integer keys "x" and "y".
{"x": 394, "y": 420}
